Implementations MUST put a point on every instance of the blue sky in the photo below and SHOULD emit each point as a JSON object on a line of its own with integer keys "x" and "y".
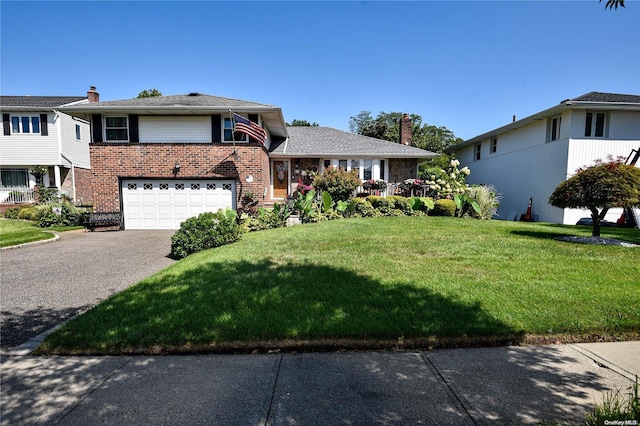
{"x": 468, "y": 66}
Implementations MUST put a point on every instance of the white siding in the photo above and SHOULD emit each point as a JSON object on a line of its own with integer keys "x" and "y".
{"x": 625, "y": 125}
{"x": 30, "y": 148}
{"x": 533, "y": 172}
{"x": 75, "y": 150}
{"x": 165, "y": 129}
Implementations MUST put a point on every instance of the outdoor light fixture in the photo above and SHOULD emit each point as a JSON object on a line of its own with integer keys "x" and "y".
{"x": 176, "y": 168}
{"x": 249, "y": 179}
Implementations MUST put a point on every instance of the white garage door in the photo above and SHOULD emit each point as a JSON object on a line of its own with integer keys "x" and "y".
{"x": 164, "y": 204}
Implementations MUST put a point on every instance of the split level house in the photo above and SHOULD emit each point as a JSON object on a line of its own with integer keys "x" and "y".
{"x": 37, "y": 135}
{"x": 528, "y": 158}
{"x": 160, "y": 160}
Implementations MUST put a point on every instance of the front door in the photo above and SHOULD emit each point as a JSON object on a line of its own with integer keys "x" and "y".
{"x": 280, "y": 178}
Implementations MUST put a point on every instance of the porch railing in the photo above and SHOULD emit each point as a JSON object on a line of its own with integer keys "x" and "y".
{"x": 16, "y": 195}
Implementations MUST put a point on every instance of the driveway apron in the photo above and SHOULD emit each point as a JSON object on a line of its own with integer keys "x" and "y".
{"x": 46, "y": 284}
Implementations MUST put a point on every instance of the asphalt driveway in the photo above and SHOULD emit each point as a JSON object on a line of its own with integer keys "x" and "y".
{"x": 45, "y": 284}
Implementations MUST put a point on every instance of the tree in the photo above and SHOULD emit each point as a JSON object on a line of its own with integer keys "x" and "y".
{"x": 302, "y": 123}
{"x": 613, "y": 4}
{"x": 603, "y": 185}
{"x": 387, "y": 126}
{"x": 149, "y": 93}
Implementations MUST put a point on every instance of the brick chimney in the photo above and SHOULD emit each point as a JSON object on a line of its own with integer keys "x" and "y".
{"x": 405, "y": 130}
{"x": 92, "y": 95}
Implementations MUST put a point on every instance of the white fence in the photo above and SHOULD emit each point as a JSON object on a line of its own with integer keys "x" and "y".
{"x": 16, "y": 195}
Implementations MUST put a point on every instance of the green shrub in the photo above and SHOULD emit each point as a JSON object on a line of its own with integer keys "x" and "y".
{"x": 28, "y": 213}
{"x": 360, "y": 207}
{"x": 70, "y": 215}
{"x": 427, "y": 204}
{"x": 271, "y": 218}
{"x": 339, "y": 183}
{"x": 382, "y": 205}
{"x": 401, "y": 203}
{"x": 12, "y": 212}
{"x": 46, "y": 195}
{"x": 444, "y": 207}
{"x": 487, "y": 200}
{"x": 205, "y": 231}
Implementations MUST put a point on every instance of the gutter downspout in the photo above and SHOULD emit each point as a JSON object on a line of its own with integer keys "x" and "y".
{"x": 73, "y": 177}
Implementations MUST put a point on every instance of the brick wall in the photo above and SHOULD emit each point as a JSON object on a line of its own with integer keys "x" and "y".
{"x": 84, "y": 189}
{"x": 109, "y": 162}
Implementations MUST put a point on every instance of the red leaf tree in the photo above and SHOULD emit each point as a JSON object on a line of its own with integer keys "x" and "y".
{"x": 603, "y": 185}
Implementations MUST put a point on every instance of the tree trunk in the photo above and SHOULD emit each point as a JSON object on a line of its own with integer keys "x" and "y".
{"x": 595, "y": 217}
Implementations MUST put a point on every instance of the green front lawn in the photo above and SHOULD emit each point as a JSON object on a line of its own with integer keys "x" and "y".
{"x": 378, "y": 282}
{"x": 14, "y": 232}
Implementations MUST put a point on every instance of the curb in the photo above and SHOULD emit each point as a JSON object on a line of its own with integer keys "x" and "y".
{"x": 56, "y": 237}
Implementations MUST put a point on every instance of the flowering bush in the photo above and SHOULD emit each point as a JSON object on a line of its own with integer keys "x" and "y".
{"x": 446, "y": 182}
{"x": 371, "y": 185}
{"x": 411, "y": 187}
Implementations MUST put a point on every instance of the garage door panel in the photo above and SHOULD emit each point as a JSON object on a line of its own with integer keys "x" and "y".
{"x": 165, "y": 204}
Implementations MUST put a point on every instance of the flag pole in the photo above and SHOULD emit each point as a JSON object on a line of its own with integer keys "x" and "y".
{"x": 233, "y": 131}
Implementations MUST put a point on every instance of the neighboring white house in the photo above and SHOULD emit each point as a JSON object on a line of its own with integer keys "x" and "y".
{"x": 36, "y": 134}
{"x": 530, "y": 157}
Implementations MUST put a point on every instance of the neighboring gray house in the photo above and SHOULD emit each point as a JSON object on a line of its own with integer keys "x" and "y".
{"x": 530, "y": 157}
{"x": 36, "y": 134}
{"x": 317, "y": 148}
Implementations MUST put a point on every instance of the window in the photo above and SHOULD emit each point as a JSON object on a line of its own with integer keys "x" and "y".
{"x": 14, "y": 177}
{"x": 342, "y": 164}
{"x": 115, "y": 129}
{"x": 229, "y": 135}
{"x": 355, "y": 165}
{"x": 494, "y": 145}
{"x": 594, "y": 125}
{"x": 478, "y": 151}
{"x": 382, "y": 170}
{"x": 367, "y": 169}
{"x": 554, "y": 129}
{"x": 25, "y": 124}
{"x": 78, "y": 132}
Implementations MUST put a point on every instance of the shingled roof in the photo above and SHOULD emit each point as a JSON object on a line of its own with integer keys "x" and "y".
{"x": 607, "y": 97}
{"x": 306, "y": 141}
{"x": 188, "y": 100}
{"x": 39, "y": 101}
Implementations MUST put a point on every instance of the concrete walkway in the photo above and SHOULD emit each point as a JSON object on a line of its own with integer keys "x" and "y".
{"x": 506, "y": 385}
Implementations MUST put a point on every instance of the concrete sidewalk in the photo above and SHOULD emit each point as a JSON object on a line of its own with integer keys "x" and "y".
{"x": 506, "y": 385}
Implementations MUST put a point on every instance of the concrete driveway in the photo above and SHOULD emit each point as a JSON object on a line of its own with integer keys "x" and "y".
{"x": 45, "y": 284}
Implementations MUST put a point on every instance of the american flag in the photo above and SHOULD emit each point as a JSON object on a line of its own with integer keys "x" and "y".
{"x": 248, "y": 127}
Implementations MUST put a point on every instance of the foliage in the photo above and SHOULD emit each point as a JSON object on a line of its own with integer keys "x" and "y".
{"x": 149, "y": 93}
{"x": 374, "y": 185}
{"x": 487, "y": 200}
{"x": 205, "y": 231}
{"x": 411, "y": 187}
{"x": 45, "y": 195}
{"x": 341, "y": 184}
{"x": 304, "y": 205}
{"x": 446, "y": 182}
{"x": 465, "y": 205}
{"x": 302, "y": 123}
{"x": 616, "y": 407}
{"x": 12, "y": 212}
{"x": 611, "y": 4}
{"x": 444, "y": 207}
{"x": 387, "y": 126}
{"x": 603, "y": 185}
{"x": 361, "y": 207}
{"x": 271, "y": 218}
{"x": 38, "y": 172}
{"x": 69, "y": 215}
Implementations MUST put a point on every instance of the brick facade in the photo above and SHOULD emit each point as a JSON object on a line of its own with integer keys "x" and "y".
{"x": 406, "y": 131}
{"x": 110, "y": 162}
